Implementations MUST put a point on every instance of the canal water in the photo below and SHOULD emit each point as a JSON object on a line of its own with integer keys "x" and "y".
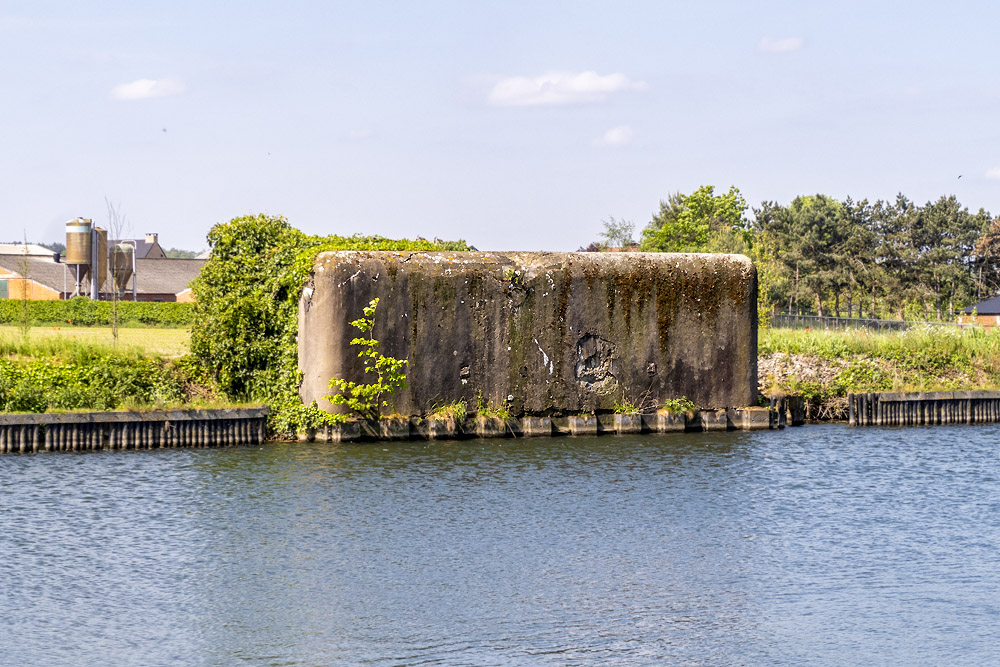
{"x": 820, "y": 544}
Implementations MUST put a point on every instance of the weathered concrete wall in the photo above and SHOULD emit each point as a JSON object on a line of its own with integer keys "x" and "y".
{"x": 542, "y": 333}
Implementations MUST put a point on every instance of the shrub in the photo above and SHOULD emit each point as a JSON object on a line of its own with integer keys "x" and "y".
{"x": 365, "y": 399}
{"x": 85, "y": 377}
{"x": 247, "y": 309}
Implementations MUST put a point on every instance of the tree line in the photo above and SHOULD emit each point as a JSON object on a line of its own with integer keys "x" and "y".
{"x": 882, "y": 259}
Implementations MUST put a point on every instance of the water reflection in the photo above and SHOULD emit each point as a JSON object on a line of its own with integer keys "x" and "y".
{"x": 814, "y": 544}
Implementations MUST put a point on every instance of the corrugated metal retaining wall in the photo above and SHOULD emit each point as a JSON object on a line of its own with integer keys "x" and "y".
{"x": 923, "y": 408}
{"x": 26, "y": 433}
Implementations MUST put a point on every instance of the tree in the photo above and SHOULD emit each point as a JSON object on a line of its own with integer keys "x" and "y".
{"x": 663, "y": 231}
{"x": 618, "y": 233}
{"x": 944, "y": 239}
{"x": 24, "y": 268}
{"x": 117, "y": 227}
{"x": 856, "y": 257}
{"x": 807, "y": 231}
{"x": 986, "y": 256}
{"x": 698, "y": 222}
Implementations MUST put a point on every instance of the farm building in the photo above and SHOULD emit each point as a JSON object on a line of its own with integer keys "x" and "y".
{"x": 47, "y": 277}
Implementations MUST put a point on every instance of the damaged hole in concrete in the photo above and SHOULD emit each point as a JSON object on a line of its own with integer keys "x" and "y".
{"x": 595, "y": 363}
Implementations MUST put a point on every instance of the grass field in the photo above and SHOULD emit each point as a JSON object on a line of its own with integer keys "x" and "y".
{"x": 165, "y": 342}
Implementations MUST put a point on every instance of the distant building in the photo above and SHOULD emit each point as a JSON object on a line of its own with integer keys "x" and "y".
{"x": 22, "y": 249}
{"x": 46, "y": 278}
{"x": 987, "y": 313}
{"x": 148, "y": 248}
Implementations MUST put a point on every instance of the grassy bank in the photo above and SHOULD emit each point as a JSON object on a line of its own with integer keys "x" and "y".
{"x": 64, "y": 370}
{"x": 824, "y": 366}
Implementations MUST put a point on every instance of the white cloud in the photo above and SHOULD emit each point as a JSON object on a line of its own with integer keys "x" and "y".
{"x": 993, "y": 174}
{"x": 784, "y": 45}
{"x": 554, "y": 88}
{"x": 144, "y": 89}
{"x": 616, "y": 136}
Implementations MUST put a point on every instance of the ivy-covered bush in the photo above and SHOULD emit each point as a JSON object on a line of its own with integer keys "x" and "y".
{"x": 246, "y": 313}
{"x": 81, "y": 311}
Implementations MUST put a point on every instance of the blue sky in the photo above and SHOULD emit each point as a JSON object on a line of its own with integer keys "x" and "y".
{"x": 514, "y": 125}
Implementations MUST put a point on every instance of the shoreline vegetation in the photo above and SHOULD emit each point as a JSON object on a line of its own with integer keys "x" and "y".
{"x": 75, "y": 368}
{"x": 237, "y": 344}
{"x": 825, "y": 366}
{"x": 40, "y": 372}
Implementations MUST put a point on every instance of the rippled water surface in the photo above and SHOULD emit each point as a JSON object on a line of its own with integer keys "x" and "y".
{"x": 817, "y": 544}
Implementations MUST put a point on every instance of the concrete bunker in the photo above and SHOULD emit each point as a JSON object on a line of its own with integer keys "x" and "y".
{"x": 541, "y": 333}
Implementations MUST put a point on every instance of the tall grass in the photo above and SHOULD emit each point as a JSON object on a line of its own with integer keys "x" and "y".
{"x": 39, "y": 374}
{"x": 927, "y": 347}
{"x": 920, "y": 359}
{"x": 52, "y": 340}
{"x": 63, "y": 348}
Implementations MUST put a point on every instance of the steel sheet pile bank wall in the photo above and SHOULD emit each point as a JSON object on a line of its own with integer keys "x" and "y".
{"x": 924, "y": 408}
{"x": 538, "y": 332}
{"x": 147, "y": 429}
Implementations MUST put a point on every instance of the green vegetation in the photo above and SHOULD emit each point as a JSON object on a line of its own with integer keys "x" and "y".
{"x": 699, "y": 222}
{"x": 824, "y": 366}
{"x": 38, "y": 375}
{"x": 247, "y": 310}
{"x": 491, "y": 409}
{"x": 678, "y": 406}
{"x": 365, "y": 399}
{"x": 81, "y": 311}
{"x": 449, "y": 411}
{"x": 617, "y": 233}
{"x": 882, "y": 259}
{"x": 819, "y": 255}
{"x": 625, "y": 407}
{"x": 150, "y": 341}
{"x": 177, "y": 253}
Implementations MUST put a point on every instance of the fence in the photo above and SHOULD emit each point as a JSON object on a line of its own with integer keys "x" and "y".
{"x": 789, "y": 321}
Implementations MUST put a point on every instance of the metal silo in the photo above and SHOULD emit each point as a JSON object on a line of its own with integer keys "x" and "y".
{"x": 79, "y": 249}
{"x": 100, "y": 272}
{"x": 78, "y": 243}
{"x": 122, "y": 263}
